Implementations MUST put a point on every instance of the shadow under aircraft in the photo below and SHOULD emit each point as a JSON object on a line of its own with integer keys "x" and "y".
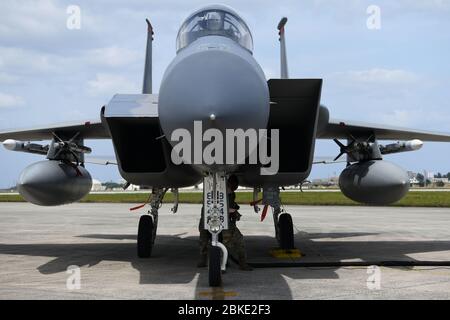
{"x": 174, "y": 259}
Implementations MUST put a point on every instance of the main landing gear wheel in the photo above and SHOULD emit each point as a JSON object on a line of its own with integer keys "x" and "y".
{"x": 286, "y": 231}
{"x": 145, "y": 237}
{"x": 214, "y": 268}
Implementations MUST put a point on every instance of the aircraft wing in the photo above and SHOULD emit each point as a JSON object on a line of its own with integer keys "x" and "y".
{"x": 87, "y": 129}
{"x": 101, "y": 160}
{"x": 341, "y": 129}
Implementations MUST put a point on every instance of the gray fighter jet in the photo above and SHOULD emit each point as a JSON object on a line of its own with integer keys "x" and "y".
{"x": 215, "y": 86}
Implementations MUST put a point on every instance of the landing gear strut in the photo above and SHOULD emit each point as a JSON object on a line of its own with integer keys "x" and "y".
{"x": 148, "y": 225}
{"x": 216, "y": 219}
{"x": 284, "y": 228}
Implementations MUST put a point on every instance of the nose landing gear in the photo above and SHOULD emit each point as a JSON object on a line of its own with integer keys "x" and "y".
{"x": 215, "y": 212}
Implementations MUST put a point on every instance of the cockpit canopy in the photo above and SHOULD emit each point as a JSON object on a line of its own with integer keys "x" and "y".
{"x": 217, "y": 21}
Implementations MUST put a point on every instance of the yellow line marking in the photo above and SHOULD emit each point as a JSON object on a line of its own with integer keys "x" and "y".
{"x": 217, "y": 294}
{"x": 285, "y": 254}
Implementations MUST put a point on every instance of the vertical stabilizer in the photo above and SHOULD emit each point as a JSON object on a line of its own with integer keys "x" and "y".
{"x": 147, "y": 83}
{"x": 283, "y": 59}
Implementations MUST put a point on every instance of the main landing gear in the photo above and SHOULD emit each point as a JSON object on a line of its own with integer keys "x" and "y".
{"x": 145, "y": 236}
{"x": 148, "y": 224}
{"x": 284, "y": 228}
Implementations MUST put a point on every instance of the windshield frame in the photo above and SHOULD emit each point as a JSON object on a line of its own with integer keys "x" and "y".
{"x": 234, "y": 28}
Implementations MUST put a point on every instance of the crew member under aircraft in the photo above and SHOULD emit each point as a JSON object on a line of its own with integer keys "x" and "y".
{"x": 232, "y": 238}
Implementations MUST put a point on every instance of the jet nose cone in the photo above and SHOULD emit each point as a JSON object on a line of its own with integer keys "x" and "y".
{"x": 27, "y": 189}
{"x": 30, "y": 184}
{"x": 221, "y": 89}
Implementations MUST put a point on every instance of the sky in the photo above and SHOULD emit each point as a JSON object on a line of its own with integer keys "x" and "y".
{"x": 398, "y": 74}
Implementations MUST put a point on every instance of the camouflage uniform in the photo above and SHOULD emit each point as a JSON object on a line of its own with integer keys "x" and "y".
{"x": 205, "y": 236}
{"x": 232, "y": 238}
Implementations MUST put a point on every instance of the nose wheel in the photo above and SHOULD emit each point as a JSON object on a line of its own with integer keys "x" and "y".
{"x": 214, "y": 267}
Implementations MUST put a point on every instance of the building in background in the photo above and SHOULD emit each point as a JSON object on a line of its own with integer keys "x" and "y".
{"x": 97, "y": 186}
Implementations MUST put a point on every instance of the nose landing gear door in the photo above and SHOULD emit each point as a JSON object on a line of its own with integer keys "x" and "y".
{"x": 215, "y": 203}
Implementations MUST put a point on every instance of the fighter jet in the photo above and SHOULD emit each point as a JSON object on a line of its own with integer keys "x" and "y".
{"x": 215, "y": 90}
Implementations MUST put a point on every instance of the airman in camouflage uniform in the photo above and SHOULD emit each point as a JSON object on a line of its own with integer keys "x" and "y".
{"x": 205, "y": 236}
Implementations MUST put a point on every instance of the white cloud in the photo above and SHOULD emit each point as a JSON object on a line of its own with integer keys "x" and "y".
{"x": 111, "y": 56}
{"x": 376, "y": 76}
{"x": 6, "y": 78}
{"x": 109, "y": 84}
{"x": 42, "y": 23}
{"x": 30, "y": 17}
{"x": 421, "y": 6}
{"x": 10, "y": 101}
{"x": 400, "y": 117}
{"x": 29, "y": 61}
{"x": 25, "y": 61}
{"x": 417, "y": 117}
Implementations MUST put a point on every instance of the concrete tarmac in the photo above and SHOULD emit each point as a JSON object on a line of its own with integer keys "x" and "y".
{"x": 38, "y": 244}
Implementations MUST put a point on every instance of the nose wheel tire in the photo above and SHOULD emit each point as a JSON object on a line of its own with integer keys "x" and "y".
{"x": 145, "y": 237}
{"x": 286, "y": 231}
{"x": 214, "y": 269}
